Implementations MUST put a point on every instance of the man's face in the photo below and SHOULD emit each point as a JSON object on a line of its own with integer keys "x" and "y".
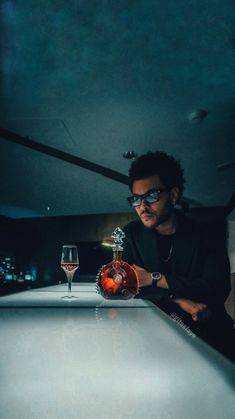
{"x": 152, "y": 215}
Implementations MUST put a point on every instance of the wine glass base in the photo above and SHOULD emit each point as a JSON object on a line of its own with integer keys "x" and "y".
{"x": 69, "y": 297}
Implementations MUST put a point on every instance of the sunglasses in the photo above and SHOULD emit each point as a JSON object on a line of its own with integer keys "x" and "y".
{"x": 150, "y": 197}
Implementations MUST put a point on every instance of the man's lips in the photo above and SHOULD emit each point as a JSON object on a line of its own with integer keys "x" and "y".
{"x": 146, "y": 215}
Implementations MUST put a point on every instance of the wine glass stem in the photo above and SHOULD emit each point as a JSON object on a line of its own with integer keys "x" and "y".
{"x": 69, "y": 278}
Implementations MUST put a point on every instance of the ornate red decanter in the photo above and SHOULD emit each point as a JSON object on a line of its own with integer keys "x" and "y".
{"x": 117, "y": 279}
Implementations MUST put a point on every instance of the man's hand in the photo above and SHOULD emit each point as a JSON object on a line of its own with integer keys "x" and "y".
{"x": 143, "y": 276}
{"x": 190, "y": 307}
{"x": 145, "y": 279}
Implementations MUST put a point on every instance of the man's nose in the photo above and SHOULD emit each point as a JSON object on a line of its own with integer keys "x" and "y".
{"x": 144, "y": 204}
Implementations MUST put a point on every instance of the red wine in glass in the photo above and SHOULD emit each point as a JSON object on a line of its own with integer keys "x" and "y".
{"x": 69, "y": 263}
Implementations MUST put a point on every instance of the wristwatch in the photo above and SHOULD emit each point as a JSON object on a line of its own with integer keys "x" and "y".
{"x": 156, "y": 276}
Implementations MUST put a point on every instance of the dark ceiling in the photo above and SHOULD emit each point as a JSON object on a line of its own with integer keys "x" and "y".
{"x": 97, "y": 78}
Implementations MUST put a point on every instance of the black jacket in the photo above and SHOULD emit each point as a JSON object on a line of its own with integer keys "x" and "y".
{"x": 200, "y": 266}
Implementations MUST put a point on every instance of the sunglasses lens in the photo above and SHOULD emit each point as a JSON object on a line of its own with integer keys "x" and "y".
{"x": 135, "y": 201}
{"x": 153, "y": 197}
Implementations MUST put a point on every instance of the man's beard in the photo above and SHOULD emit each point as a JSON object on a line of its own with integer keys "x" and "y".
{"x": 164, "y": 217}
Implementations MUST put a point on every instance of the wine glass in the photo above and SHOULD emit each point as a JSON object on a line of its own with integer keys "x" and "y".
{"x": 69, "y": 263}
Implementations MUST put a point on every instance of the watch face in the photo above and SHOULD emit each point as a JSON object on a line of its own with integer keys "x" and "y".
{"x": 156, "y": 276}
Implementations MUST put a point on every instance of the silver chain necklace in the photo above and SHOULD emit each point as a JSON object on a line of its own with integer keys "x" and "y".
{"x": 169, "y": 255}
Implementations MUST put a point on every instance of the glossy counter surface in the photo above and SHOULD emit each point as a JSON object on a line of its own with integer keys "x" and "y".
{"x": 85, "y": 296}
{"x": 101, "y": 359}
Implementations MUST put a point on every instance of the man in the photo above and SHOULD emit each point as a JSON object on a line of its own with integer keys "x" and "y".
{"x": 179, "y": 265}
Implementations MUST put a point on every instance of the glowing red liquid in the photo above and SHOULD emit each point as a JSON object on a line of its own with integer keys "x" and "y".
{"x": 69, "y": 266}
{"x": 118, "y": 280}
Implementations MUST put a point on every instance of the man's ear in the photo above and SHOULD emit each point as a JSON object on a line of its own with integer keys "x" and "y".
{"x": 174, "y": 194}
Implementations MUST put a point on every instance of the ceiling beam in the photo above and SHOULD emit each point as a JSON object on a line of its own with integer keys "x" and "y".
{"x": 62, "y": 155}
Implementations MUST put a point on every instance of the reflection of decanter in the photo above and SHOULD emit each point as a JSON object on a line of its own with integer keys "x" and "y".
{"x": 117, "y": 279}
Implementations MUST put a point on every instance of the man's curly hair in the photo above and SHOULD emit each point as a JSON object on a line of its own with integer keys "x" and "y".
{"x": 158, "y": 163}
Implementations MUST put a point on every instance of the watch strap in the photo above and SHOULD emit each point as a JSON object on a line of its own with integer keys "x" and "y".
{"x": 156, "y": 276}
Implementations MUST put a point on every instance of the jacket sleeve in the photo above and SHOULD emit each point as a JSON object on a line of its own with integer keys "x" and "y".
{"x": 211, "y": 283}
{"x": 205, "y": 279}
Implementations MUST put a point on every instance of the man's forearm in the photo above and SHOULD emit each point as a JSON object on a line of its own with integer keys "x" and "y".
{"x": 162, "y": 283}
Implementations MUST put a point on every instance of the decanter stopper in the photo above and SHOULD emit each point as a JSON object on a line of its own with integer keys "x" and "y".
{"x": 118, "y": 235}
{"x": 117, "y": 279}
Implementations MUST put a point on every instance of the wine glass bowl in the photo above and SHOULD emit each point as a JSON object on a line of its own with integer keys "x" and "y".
{"x": 69, "y": 264}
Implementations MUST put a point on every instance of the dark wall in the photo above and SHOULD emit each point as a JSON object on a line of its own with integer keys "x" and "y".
{"x": 7, "y": 235}
{"x": 38, "y": 243}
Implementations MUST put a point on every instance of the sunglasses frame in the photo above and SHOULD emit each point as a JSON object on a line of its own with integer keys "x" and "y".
{"x": 131, "y": 199}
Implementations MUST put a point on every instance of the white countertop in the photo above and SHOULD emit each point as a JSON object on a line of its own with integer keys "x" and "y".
{"x": 102, "y": 362}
